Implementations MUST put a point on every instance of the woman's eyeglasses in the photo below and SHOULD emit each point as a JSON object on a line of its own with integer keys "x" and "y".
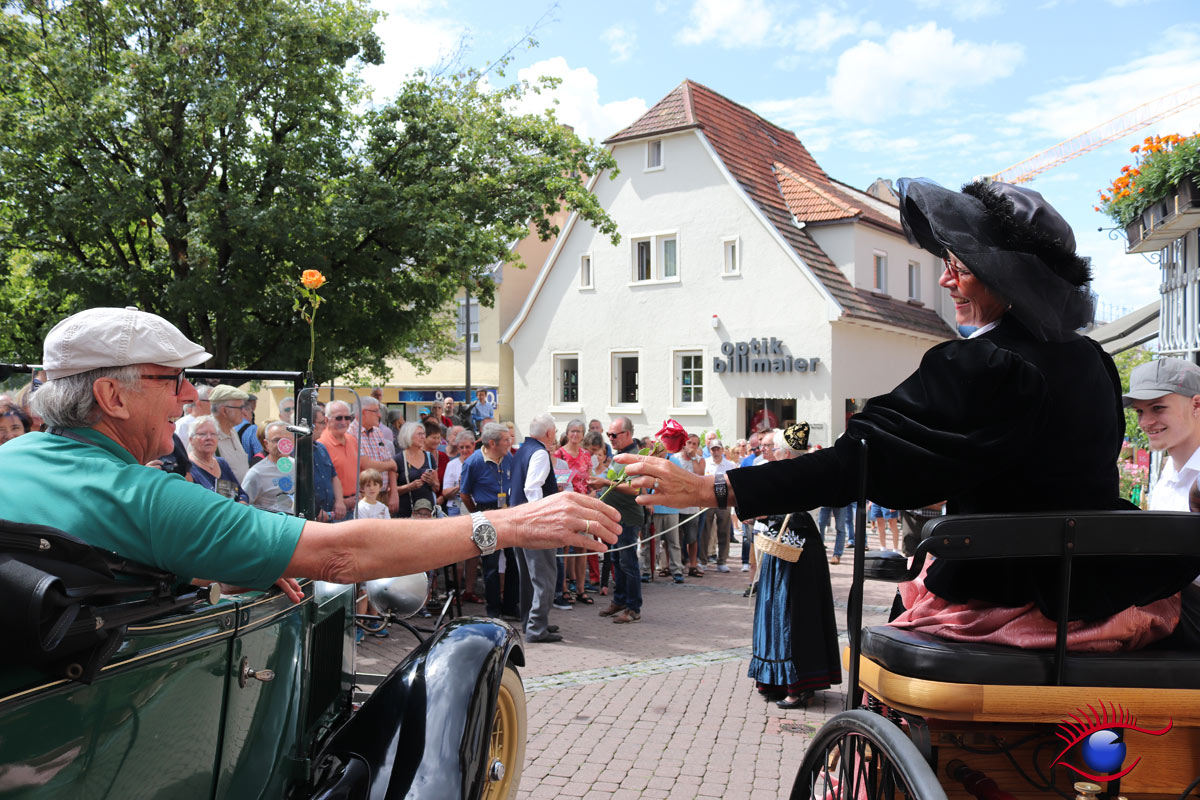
{"x": 956, "y": 269}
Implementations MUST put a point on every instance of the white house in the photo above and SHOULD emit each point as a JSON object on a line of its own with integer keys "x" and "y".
{"x": 748, "y": 285}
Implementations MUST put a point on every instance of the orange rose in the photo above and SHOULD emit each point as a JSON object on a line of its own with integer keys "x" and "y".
{"x": 312, "y": 279}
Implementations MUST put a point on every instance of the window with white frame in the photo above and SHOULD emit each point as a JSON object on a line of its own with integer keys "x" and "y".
{"x": 655, "y": 258}
{"x": 879, "y": 276}
{"x": 462, "y": 325}
{"x": 654, "y": 154}
{"x": 689, "y": 378}
{"x": 566, "y": 379}
{"x": 732, "y": 255}
{"x": 625, "y": 379}
{"x": 585, "y": 272}
{"x": 914, "y": 280}
{"x": 668, "y": 257}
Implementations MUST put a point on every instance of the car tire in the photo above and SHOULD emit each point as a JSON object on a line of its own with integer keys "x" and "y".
{"x": 506, "y": 744}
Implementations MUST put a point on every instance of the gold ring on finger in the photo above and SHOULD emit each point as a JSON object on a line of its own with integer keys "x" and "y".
{"x": 587, "y": 528}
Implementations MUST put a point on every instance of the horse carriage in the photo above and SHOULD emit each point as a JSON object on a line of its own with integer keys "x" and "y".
{"x": 928, "y": 718}
{"x": 118, "y": 682}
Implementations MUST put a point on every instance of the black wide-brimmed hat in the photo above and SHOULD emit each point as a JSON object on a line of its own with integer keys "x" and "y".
{"x": 1013, "y": 240}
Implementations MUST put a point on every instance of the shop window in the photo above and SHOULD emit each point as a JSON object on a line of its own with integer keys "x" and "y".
{"x": 914, "y": 280}
{"x": 879, "y": 277}
{"x": 732, "y": 264}
{"x": 689, "y": 378}
{"x": 585, "y": 272}
{"x": 655, "y": 258}
{"x": 566, "y": 379}
{"x": 462, "y": 324}
{"x": 625, "y": 379}
{"x": 654, "y": 154}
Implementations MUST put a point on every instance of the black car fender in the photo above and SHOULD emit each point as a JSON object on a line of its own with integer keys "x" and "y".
{"x": 424, "y": 731}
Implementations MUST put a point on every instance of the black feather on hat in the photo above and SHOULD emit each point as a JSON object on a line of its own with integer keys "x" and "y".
{"x": 1013, "y": 240}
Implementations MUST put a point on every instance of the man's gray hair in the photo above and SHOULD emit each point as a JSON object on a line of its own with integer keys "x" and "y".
{"x": 368, "y": 402}
{"x": 405, "y": 437}
{"x": 275, "y": 424}
{"x": 492, "y": 432}
{"x": 626, "y": 424}
{"x": 464, "y": 437}
{"x": 329, "y": 407}
{"x": 70, "y": 402}
{"x": 202, "y": 391}
{"x": 541, "y": 425}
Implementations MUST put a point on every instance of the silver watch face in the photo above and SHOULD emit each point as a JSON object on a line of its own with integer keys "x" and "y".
{"x": 485, "y": 536}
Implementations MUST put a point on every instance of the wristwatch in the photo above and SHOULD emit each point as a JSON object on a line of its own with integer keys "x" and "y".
{"x": 721, "y": 490}
{"x": 483, "y": 534}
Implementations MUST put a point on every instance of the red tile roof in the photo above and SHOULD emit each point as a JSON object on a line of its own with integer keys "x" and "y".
{"x": 783, "y": 179}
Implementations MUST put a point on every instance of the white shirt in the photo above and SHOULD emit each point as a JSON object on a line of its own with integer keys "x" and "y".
{"x": 453, "y": 478}
{"x": 264, "y": 485}
{"x": 183, "y": 428}
{"x": 981, "y": 330}
{"x": 713, "y": 468}
{"x": 1170, "y": 493}
{"x": 229, "y": 447}
{"x": 376, "y": 510}
{"x": 539, "y": 469}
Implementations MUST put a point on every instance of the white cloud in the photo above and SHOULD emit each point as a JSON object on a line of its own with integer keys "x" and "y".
{"x": 414, "y": 37}
{"x": 728, "y": 23}
{"x": 964, "y": 9}
{"x": 915, "y": 71}
{"x": 578, "y": 100}
{"x": 820, "y": 32}
{"x": 1071, "y": 110}
{"x": 620, "y": 42}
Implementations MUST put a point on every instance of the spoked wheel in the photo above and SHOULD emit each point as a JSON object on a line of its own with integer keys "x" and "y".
{"x": 506, "y": 746}
{"x": 859, "y": 755}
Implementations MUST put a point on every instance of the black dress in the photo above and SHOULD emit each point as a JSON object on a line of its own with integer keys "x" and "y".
{"x": 795, "y": 643}
{"x": 997, "y": 424}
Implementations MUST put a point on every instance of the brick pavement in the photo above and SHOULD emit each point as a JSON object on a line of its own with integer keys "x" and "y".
{"x": 661, "y": 708}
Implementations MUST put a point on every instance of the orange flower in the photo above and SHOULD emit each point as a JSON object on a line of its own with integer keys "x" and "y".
{"x": 1135, "y": 148}
{"x": 1141, "y": 190}
{"x": 1124, "y": 169}
{"x": 1095, "y": 208}
{"x": 312, "y": 279}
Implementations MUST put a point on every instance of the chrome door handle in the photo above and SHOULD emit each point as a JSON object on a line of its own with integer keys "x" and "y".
{"x": 245, "y": 674}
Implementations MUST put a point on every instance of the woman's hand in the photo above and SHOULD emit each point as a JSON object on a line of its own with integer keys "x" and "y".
{"x": 566, "y": 519}
{"x": 673, "y": 487}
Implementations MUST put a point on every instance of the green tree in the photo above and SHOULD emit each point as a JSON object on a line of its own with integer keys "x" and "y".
{"x": 192, "y": 158}
{"x": 1126, "y": 361}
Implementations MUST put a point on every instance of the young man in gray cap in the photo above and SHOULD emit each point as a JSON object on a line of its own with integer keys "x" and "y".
{"x": 1165, "y": 395}
{"x": 115, "y": 381}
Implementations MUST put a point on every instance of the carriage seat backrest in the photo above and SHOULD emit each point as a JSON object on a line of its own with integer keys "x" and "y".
{"x": 969, "y": 537}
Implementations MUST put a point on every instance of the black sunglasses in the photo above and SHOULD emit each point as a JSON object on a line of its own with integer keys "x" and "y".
{"x": 178, "y": 378}
{"x": 343, "y": 417}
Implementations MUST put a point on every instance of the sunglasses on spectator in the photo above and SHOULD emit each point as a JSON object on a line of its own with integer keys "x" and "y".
{"x": 343, "y": 417}
{"x": 176, "y": 378}
{"x": 618, "y": 433}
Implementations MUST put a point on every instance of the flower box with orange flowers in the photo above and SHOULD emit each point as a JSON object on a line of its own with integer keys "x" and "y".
{"x": 1156, "y": 199}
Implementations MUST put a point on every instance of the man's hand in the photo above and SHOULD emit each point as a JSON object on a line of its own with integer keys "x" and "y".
{"x": 673, "y": 487}
{"x": 566, "y": 519}
{"x": 291, "y": 588}
{"x": 393, "y": 500}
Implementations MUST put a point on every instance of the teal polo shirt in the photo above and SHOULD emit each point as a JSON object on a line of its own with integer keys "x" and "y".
{"x": 99, "y": 494}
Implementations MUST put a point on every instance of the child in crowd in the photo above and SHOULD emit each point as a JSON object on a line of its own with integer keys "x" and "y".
{"x": 370, "y": 484}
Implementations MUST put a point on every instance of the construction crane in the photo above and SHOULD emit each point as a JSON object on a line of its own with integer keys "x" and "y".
{"x": 1115, "y": 128}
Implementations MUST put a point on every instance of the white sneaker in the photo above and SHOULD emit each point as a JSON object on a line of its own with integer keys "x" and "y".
{"x": 745, "y": 567}
{"x": 723, "y": 568}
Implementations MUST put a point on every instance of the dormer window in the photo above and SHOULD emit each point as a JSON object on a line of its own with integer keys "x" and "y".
{"x": 654, "y": 155}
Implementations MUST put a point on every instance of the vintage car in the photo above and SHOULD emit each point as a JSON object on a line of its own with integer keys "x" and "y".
{"x": 117, "y": 683}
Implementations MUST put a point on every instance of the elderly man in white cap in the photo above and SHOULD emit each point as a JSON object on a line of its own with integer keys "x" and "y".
{"x": 228, "y": 403}
{"x": 115, "y": 381}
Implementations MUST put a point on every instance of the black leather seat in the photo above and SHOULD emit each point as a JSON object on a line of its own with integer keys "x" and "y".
{"x": 919, "y": 655}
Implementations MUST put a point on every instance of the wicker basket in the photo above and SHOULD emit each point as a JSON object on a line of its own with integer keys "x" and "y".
{"x": 774, "y": 547}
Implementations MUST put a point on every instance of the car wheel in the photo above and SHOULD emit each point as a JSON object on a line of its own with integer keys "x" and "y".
{"x": 506, "y": 745}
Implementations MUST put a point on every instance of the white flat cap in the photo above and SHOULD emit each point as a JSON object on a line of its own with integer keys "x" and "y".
{"x": 116, "y": 337}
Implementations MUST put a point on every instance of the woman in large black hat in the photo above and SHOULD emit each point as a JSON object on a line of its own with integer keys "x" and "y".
{"x": 1025, "y": 415}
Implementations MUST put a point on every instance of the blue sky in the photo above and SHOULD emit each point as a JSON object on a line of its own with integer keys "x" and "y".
{"x": 945, "y": 89}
